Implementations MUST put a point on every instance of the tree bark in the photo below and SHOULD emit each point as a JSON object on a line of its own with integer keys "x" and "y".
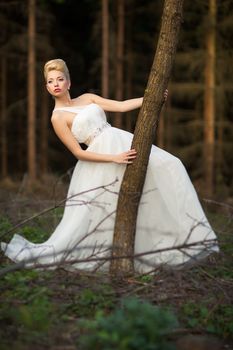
{"x": 160, "y": 131}
{"x": 44, "y": 133}
{"x": 105, "y": 49}
{"x": 31, "y": 91}
{"x": 4, "y": 152}
{"x": 129, "y": 62}
{"x": 209, "y": 101}
{"x": 134, "y": 177}
{"x": 120, "y": 58}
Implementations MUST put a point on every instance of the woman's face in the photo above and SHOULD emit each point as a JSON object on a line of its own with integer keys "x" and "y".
{"x": 57, "y": 83}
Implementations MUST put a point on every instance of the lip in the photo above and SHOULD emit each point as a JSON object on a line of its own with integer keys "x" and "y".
{"x": 57, "y": 90}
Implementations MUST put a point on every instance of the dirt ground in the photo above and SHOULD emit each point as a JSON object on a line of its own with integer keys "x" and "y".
{"x": 201, "y": 296}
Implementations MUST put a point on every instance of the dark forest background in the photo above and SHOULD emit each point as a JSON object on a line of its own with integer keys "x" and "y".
{"x": 109, "y": 47}
{"x": 196, "y": 123}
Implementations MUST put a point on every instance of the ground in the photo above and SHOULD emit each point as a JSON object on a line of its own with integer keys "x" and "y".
{"x": 55, "y": 309}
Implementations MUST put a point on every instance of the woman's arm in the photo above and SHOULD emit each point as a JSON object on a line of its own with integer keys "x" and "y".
{"x": 112, "y": 105}
{"x": 66, "y": 136}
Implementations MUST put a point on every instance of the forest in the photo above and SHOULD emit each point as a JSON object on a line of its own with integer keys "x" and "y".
{"x": 191, "y": 125}
{"x": 109, "y": 46}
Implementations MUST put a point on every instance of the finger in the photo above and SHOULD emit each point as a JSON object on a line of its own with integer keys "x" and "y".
{"x": 130, "y": 155}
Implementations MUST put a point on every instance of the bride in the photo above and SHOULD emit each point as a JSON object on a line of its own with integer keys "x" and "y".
{"x": 169, "y": 213}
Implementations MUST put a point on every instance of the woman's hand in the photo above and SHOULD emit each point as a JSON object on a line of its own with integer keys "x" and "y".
{"x": 125, "y": 157}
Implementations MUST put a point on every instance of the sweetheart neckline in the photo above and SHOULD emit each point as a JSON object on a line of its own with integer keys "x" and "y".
{"x": 76, "y": 113}
{"x": 79, "y": 107}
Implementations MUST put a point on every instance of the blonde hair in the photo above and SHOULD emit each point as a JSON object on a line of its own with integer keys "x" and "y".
{"x": 56, "y": 64}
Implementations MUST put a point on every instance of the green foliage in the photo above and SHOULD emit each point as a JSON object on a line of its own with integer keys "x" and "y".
{"x": 34, "y": 234}
{"x": 36, "y": 315}
{"x": 27, "y": 305}
{"x": 146, "y": 278}
{"x": 23, "y": 285}
{"x": 137, "y": 325}
{"x": 214, "y": 319}
{"x": 89, "y": 301}
{"x": 4, "y": 224}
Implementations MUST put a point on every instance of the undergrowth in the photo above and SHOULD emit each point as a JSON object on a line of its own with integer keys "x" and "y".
{"x": 91, "y": 311}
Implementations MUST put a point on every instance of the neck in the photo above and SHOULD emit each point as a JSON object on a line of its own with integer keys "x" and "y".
{"x": 64, "y": 101}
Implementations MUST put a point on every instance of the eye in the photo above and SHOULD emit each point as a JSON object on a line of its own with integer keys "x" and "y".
{"x": 49, "y": 82}
{"x": 61, "y": 79}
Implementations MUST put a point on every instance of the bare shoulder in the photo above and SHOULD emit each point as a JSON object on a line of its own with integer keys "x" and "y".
{"x": 58, "y": 117}
{"x": 86, "y": 98}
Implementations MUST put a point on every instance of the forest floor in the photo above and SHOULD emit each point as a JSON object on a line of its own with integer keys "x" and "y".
{"x": 56, "y": 309}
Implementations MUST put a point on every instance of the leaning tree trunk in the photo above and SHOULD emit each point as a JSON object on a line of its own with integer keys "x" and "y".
{"x": 160, "y": 130}
{"x": 4, "y": 152}
{"x": 120, "y": 58}
{"x": 105, "y": 48}
{"x": 209, "y": 101}
{"x": 129, "y": 61}
{"x": 134, "y": 177}
{"x": 31, "y": 91}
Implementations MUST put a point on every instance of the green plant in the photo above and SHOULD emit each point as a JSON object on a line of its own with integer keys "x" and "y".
{"x": 35, "y": 234}
{"x": 36, "y": 315}
{"x": 5, "y": 225}
{"x": 146, "y": 278}
{"x": 217, "y": 320}
{"x": 137, "y": 325}
{"x": 90, "y": 301}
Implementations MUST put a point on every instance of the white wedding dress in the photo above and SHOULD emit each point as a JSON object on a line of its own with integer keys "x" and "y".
{"x": 169, "y": 213}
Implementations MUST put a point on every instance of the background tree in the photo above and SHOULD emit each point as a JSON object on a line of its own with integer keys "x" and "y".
{"x": 4, "y": 147}
{"x": 134, "y": 177}
{"x": 44, "y": 133}
{"x": 31, "y": 90}
{"x": 76, "y": 36}
{"x": 209, "y": 99}
{"x": 105, "y": 48}
{"x": 119, "y": 88}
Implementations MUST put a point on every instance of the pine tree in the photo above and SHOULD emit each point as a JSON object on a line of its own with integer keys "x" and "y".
{"x": 105, "y": 48}
{"x": 31, "y": 90}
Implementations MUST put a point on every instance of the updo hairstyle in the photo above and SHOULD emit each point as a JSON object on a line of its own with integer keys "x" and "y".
{"x": 56, "y": 64}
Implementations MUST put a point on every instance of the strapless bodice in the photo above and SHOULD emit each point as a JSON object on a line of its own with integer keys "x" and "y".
{"x": 88, "y": 123}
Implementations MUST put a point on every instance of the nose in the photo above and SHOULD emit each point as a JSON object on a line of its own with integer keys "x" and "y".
{"x": 55, "y": 83}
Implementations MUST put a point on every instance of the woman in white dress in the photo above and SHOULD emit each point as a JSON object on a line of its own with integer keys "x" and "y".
{"x": 169, "y": 213}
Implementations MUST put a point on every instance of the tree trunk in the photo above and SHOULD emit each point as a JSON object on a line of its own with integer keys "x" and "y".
{"x": 220, "y": 111}
{"x": 164, "y": 132}
{"x": 31, "y": 91}
{"x": 44, "y": 133}
{"x": 219, "y": 140}
{"x": 105, "y": 49}
{"x": 4, "y": 152}
{"x": 20, "y": 144}
{"x": 119, "y": 59}
{"x": 134, "y": 177}
{"x": 169, "y": 126}
{"x": 209, "y": 105}
{"x": 129, "y": 62}
{"x": 160, "y": 131}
